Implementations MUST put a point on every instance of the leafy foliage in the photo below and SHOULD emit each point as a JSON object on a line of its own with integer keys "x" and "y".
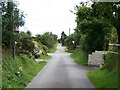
{"x": 70, "y": 42}
{"x": 80, "y": 57}
{"x": 47, "y": 39}
{"x": 109, "y": 12}
{"x": 25, "y": 44}
{"x": 12, "y": 18}
{"x": 63, "y": 37}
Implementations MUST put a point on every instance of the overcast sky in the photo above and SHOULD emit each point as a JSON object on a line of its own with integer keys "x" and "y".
{"x": 49, "y": 15}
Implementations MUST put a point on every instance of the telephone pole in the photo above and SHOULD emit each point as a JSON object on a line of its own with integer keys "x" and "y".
{"x": 69, "y": 31}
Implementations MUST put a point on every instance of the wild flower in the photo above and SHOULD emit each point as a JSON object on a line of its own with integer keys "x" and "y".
{"x": 18, "y": 72}
{"x": 20, "y": 68}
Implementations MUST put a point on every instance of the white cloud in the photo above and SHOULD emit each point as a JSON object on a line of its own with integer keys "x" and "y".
{"x": 49, "y": 15}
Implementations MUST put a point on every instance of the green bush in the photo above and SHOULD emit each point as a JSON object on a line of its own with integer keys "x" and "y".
{"x": 69, "y": 43}
{"x": 48, "y": 39}
{"x": 111, "y": 61}
{"x": 80, "y": 57}
{"x": 53, "y": 49}
{"x": 45, "y": 49}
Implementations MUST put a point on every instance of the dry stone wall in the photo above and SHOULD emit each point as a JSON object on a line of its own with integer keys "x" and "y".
{"x": 96, "y": 58}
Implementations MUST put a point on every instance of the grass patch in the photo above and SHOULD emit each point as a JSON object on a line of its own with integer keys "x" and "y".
{"x": 69, "y": 51}
{"x": 80, "y": 57}
{"x": 45, "y": 56}
{"x": 19, "y": 72}
{"x": 103, "y": 79}
{"x": 53, "y": 49}
{"x": 107, "y": 76}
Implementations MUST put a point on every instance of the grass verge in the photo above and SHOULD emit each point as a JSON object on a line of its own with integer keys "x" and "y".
{"x": 69, "y": 51}
{"x": 53, "y": 49}
{"x": 45, "y": 56}
{"x": 107, "y": 76}
{"x": 19, "y": 72}
{"x": 103, "y": 79}
{"x": 80, "y": 57}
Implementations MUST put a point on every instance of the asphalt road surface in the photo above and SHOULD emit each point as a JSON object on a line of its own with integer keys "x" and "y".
{"x": 61, "y": 72}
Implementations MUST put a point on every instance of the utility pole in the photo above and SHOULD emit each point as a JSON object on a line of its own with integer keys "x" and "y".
{"x": 69, "y": 31}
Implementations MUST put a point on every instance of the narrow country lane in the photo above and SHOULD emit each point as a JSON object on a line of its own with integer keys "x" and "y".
{"x": 61, "y": 72}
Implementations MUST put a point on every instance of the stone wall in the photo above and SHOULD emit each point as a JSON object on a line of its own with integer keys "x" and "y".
{"x": 96, "y": 58}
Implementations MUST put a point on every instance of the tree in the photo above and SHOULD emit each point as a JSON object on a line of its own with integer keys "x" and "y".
{"x": 48, "y": 39}
{"x": 63, "y": 37}
{"x": 70, "y": 42}
{"x": 90, "y": 29}
{"x": 11, "y": 20}
{"x": 109, "y": 12}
